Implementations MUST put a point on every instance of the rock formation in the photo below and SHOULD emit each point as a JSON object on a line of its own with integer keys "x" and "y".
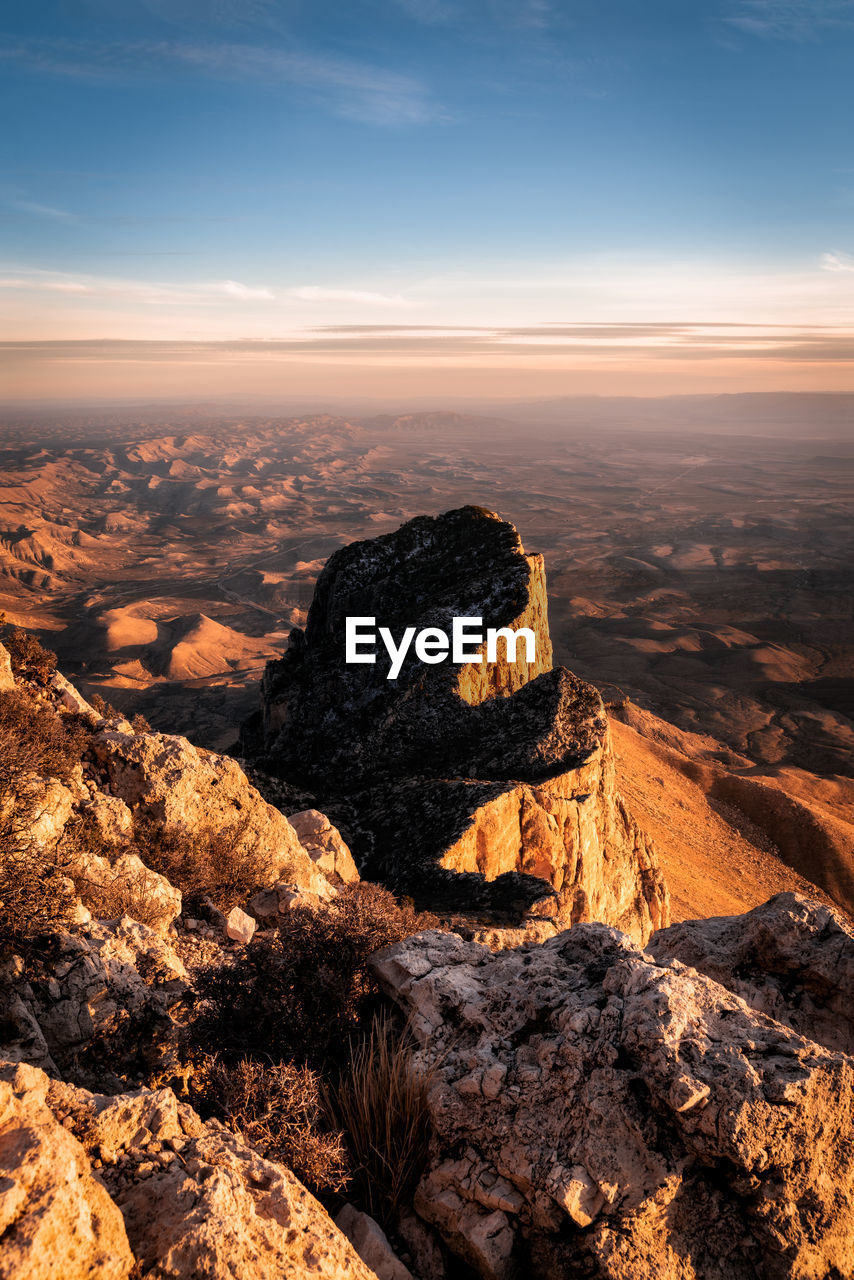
{"x": 109, "y": 1187}
{"x": 601, "y": 1112}
{"x": 484, "y": 786}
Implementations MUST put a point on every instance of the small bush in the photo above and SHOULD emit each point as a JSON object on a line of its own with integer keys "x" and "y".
{"x": 300, "y": 994}
{"x": 104, "y": 708}
{"x": 225, "y": 864}
{"x": 35, "y": 896}
{"x": 35, "y": 740}
{"x": 278, "y": 1108}
{"x": 30, "y": 660}
{"x": 380, "y": 1100}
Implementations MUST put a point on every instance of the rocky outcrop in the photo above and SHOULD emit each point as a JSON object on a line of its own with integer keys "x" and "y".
{"x": 7, "y": 679}
{"x": 183, "y": 790}
{"x": 103, "y": 976}
{"x": 601, "y": 1112}
{"x": 485, "y": 787}
{"x": 790, "y": 959}
{"x": 94, "y": 1186}
{"x": 324, "y": 844}
{"x": 56, "y": 1218}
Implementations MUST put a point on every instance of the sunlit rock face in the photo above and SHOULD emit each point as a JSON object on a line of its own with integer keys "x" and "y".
{"x": 610, "y": 1112}
{"x": 479, "y": 786}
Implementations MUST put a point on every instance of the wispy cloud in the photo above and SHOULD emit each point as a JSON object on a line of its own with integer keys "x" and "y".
{"x": 837, "y": 262}
{"x": 245, "y": 292}
{"x": 360, "y": 91}
{"x": 503, "y": 13}
{"x": 316, "y": 293}
{"x": 40, "y": 210}
{"x": 570, "y": 343}
{"x": 192, "y": 293}
{"x": 798, "y": 20}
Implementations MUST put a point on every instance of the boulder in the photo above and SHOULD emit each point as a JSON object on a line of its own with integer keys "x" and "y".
{"x": 53, "y": 804}
{"x": 126, "y": 886}
{"x": 324, "y": 844}
{"x": 239, "y": 927}
{"x": 268, "y": 905}
{"x": 788, "y": 945}
{"x": 371, "y": 1243}
{"x": 485, "y": 787}
{"x": 56, "y": 1218}
{"x": 72, "y": 700}
{"x": 602, "y": 1112}
{"x": 105, "y": 1187}
{"x": 199, "y": 1202}
{"x": 111, "y": 817}
{"x": 102, "y": 976}
{"x": 183, "y": 789}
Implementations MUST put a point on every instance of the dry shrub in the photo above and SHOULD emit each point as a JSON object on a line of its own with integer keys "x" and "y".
{"x": 35, "y": 895}
{"x": 104, "y": 708}
{"x": 301, "y": 994}
{"x": 225, "y": 864}
{"x": 30, "y": 660}
{"x": 380, "y": 1100}
{"x": 34, "y": 739}
{"x": 126, "y": 893}
{"x": 278, "y": 1108}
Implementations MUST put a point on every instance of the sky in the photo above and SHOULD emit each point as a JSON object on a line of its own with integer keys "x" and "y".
{"x": 435, "y": 197}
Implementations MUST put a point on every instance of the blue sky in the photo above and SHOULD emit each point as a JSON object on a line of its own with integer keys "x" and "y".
{"x": 210, "y": 170}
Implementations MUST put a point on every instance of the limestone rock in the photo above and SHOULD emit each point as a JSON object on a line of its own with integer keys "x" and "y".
{"x": 200, "y": 1204}
{"x": 171, "y": 782}
{"x": 72, "y": 700}
{"x": 239, "y": 926}
{"x": 53, "y": 806}
{"x": 324, "y": 844}
{"x": 176, "y": 1198}
{"x": 94, "y": 985}
{"x": 56, "y": 1219}
{"x": 371, "y": 1243}
{"x": 787, "y": 944}
{"x": 268, "y": 905}
{"x": 126, "y": 886}
{"x": 486, "y": 786}
{"x": 112, "y": 818}
{"x": 7, "y": 679}
{"x": 599, "y": 1112}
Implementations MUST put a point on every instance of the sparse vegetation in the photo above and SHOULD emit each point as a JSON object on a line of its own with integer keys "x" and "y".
{"x": 303, "y": 1001}
{"x": 225, "y": 864}
{"x": 380, "y": 1100}
{"x": 104, "y": 708}
{"x": 301, "y": 993}
{"x": 30, "y": 659}
{"x": 35, "y": 743}
{"x": 278, "y": 1108}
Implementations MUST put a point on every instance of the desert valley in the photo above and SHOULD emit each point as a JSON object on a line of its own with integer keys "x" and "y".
{"x": 526, "y": 968}
{"x": 699, "y": 577}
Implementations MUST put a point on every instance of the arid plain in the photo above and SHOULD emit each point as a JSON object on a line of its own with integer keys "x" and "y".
{"x": 702, "y": 579}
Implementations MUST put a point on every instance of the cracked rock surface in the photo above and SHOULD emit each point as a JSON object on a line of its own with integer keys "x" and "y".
{"x": 609, "y": 1112}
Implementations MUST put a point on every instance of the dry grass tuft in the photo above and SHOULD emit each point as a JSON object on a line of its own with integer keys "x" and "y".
{"x": 380, "y": 1101}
